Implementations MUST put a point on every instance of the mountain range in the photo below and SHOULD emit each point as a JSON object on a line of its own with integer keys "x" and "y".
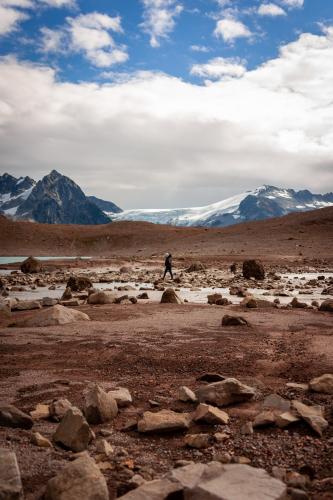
{"x": 56, "y": 199}
{"x": 258, "y": 204}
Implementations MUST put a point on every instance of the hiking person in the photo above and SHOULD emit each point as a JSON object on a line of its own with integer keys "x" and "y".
{"x": 168, "y": 265}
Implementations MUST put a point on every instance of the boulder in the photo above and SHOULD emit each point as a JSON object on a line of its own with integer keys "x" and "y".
{"x": 312, "y": 415}
{"x": 296, "y": 304}
{"x": 253, "y": 269}
{"x": 186, "y": 395}
{"x": 228, "y": 320}
{"x": 26, "y": 305}
{"x": 207, "y": 414}
{"x": 122, "y": 396}
{"x": 198, "y": 441}
{"x": 196, "y": 267}
{"x": 80, "y": 479}
{"x": 323, "y": 384}
{"x": 170, "y": 297}
{"x": 67, "y": 295}
{"x": 211, "y": 299}
{"x": 10, "y": 477}
{"x": 99, "y": 406}
{"x": 73, "y": 432}
{"x": 226, "y": 392}
{"x": 327, "y": 305}
{"x": 164, "y": 421}
{"x": 79, "y": 283}
{"x": 213, "y": 481}
{"x": 52, "y": 316}
{"x": 101, "y": 298}
{"x": 59, "y": 408}
{"x": 10, "y": 416}
{"x": 31, "y": 266}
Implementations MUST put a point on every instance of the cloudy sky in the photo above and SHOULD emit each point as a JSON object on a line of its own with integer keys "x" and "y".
{"x": 168, "y": 103}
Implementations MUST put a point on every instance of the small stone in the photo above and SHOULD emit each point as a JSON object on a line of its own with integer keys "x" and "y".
{"x": 285, "y": 419}
{"x": 210, "y": 415}
{"x": 298, "y": 387}
{"x": 187, "y": 395}
{"x": 40, "y": 440}
{"x": 73, "y": 432}
{"x": 122, "y": 396}
{"x": 323, "y": 384}
{"x": 296, "y": 480}
{"x": 198, "y": 440}
{"x": 313, "y": 415}
{"x": 102, "y": 446}
{"x": 223, "y": 458}
{"x": 220, "y": 437}
{"x": 247, "y": 429}
{"x": 228, "y": 320}
{"x": 264, "y": 419}
{"x": 59, "y": 408}
{"x": 99, "y": 407}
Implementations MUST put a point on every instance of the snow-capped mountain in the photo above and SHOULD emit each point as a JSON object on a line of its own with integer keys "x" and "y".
{"x": 55, "y": 199}
{"x": 13, "y": 192}
{"x": 261, "y": 203}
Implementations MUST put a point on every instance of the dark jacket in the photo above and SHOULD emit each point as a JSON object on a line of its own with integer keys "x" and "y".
{"x": 168, "y": 262}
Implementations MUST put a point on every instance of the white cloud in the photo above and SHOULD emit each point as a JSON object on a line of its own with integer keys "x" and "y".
{"x": 89, "y": 34}
{"x": 59, "y": 3}
{"x": 9, "y": 19}
{"x": 51, "y": 40}
{"x": 270, "y": 9}
{"x": 229, "y": 29}
{"x": 155, "y": 140}
{"x": 293, "y": 3}
{"x": 219, "y": 68}
{"x": 159, "y": 19}
{"x": 199, "y": 48}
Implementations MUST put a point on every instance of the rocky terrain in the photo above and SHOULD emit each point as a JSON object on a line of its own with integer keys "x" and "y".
{"x": 116, "y": 384}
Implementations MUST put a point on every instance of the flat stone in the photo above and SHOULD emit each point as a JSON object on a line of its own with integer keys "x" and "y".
{"x": 298, "y": 387}
{"x": 99, "y": 406}
{"x": 323, "y": 384}
{"x": 41, "y": 412}
{"x": 210, "y": 415}
{"x": 10, "y": 416}
{"x": 277, "y": 402}
{"x": 80, "y": 479}
{"x": 159, "y": 489}
{"x": 122, "y": 396}
{"x": 226, "y": 392}
{"x": 26, "y": 305}
{"x": 312, "y": 415}
{"x": 10, "y": 477}
{"x": 52, "y": 316}
{"x": 228, "y": 320}
{"x": 264, "y": 419}
{"x": 163, "y": 421}
{"x": 73, "y": 432}
{"x": 285, "y": 419}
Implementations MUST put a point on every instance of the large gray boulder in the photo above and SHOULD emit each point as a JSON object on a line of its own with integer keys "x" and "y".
{"x": 99, "y": 406}
{"x": 101, "y": 298}
{"x": 10, "y": 477}
{"x": 79, "y": 480}
{"x": 212, "y": 481}
{"x": 56, "y": 315}
{"x": 226, "y": 392}
{"x": 73, "y": 432}
{"x": 10, "y": 416}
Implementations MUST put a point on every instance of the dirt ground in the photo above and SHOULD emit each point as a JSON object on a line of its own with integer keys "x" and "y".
{"x": 152, "y": 349}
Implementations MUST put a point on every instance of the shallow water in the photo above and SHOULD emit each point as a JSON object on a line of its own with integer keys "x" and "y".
{"x": 14, "y": 260}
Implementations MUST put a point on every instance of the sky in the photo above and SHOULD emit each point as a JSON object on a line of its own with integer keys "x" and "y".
{"x": 168, "y": 103}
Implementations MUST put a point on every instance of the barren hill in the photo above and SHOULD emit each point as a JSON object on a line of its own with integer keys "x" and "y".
{"x": 298, "y": 235}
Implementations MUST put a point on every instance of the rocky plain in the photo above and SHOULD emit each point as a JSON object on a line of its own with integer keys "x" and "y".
{"x": 216, "y": 385}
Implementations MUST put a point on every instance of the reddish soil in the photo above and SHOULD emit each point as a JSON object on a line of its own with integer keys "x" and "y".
{"x": 153, "y": 349}
{"x": 302, "y": 236}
